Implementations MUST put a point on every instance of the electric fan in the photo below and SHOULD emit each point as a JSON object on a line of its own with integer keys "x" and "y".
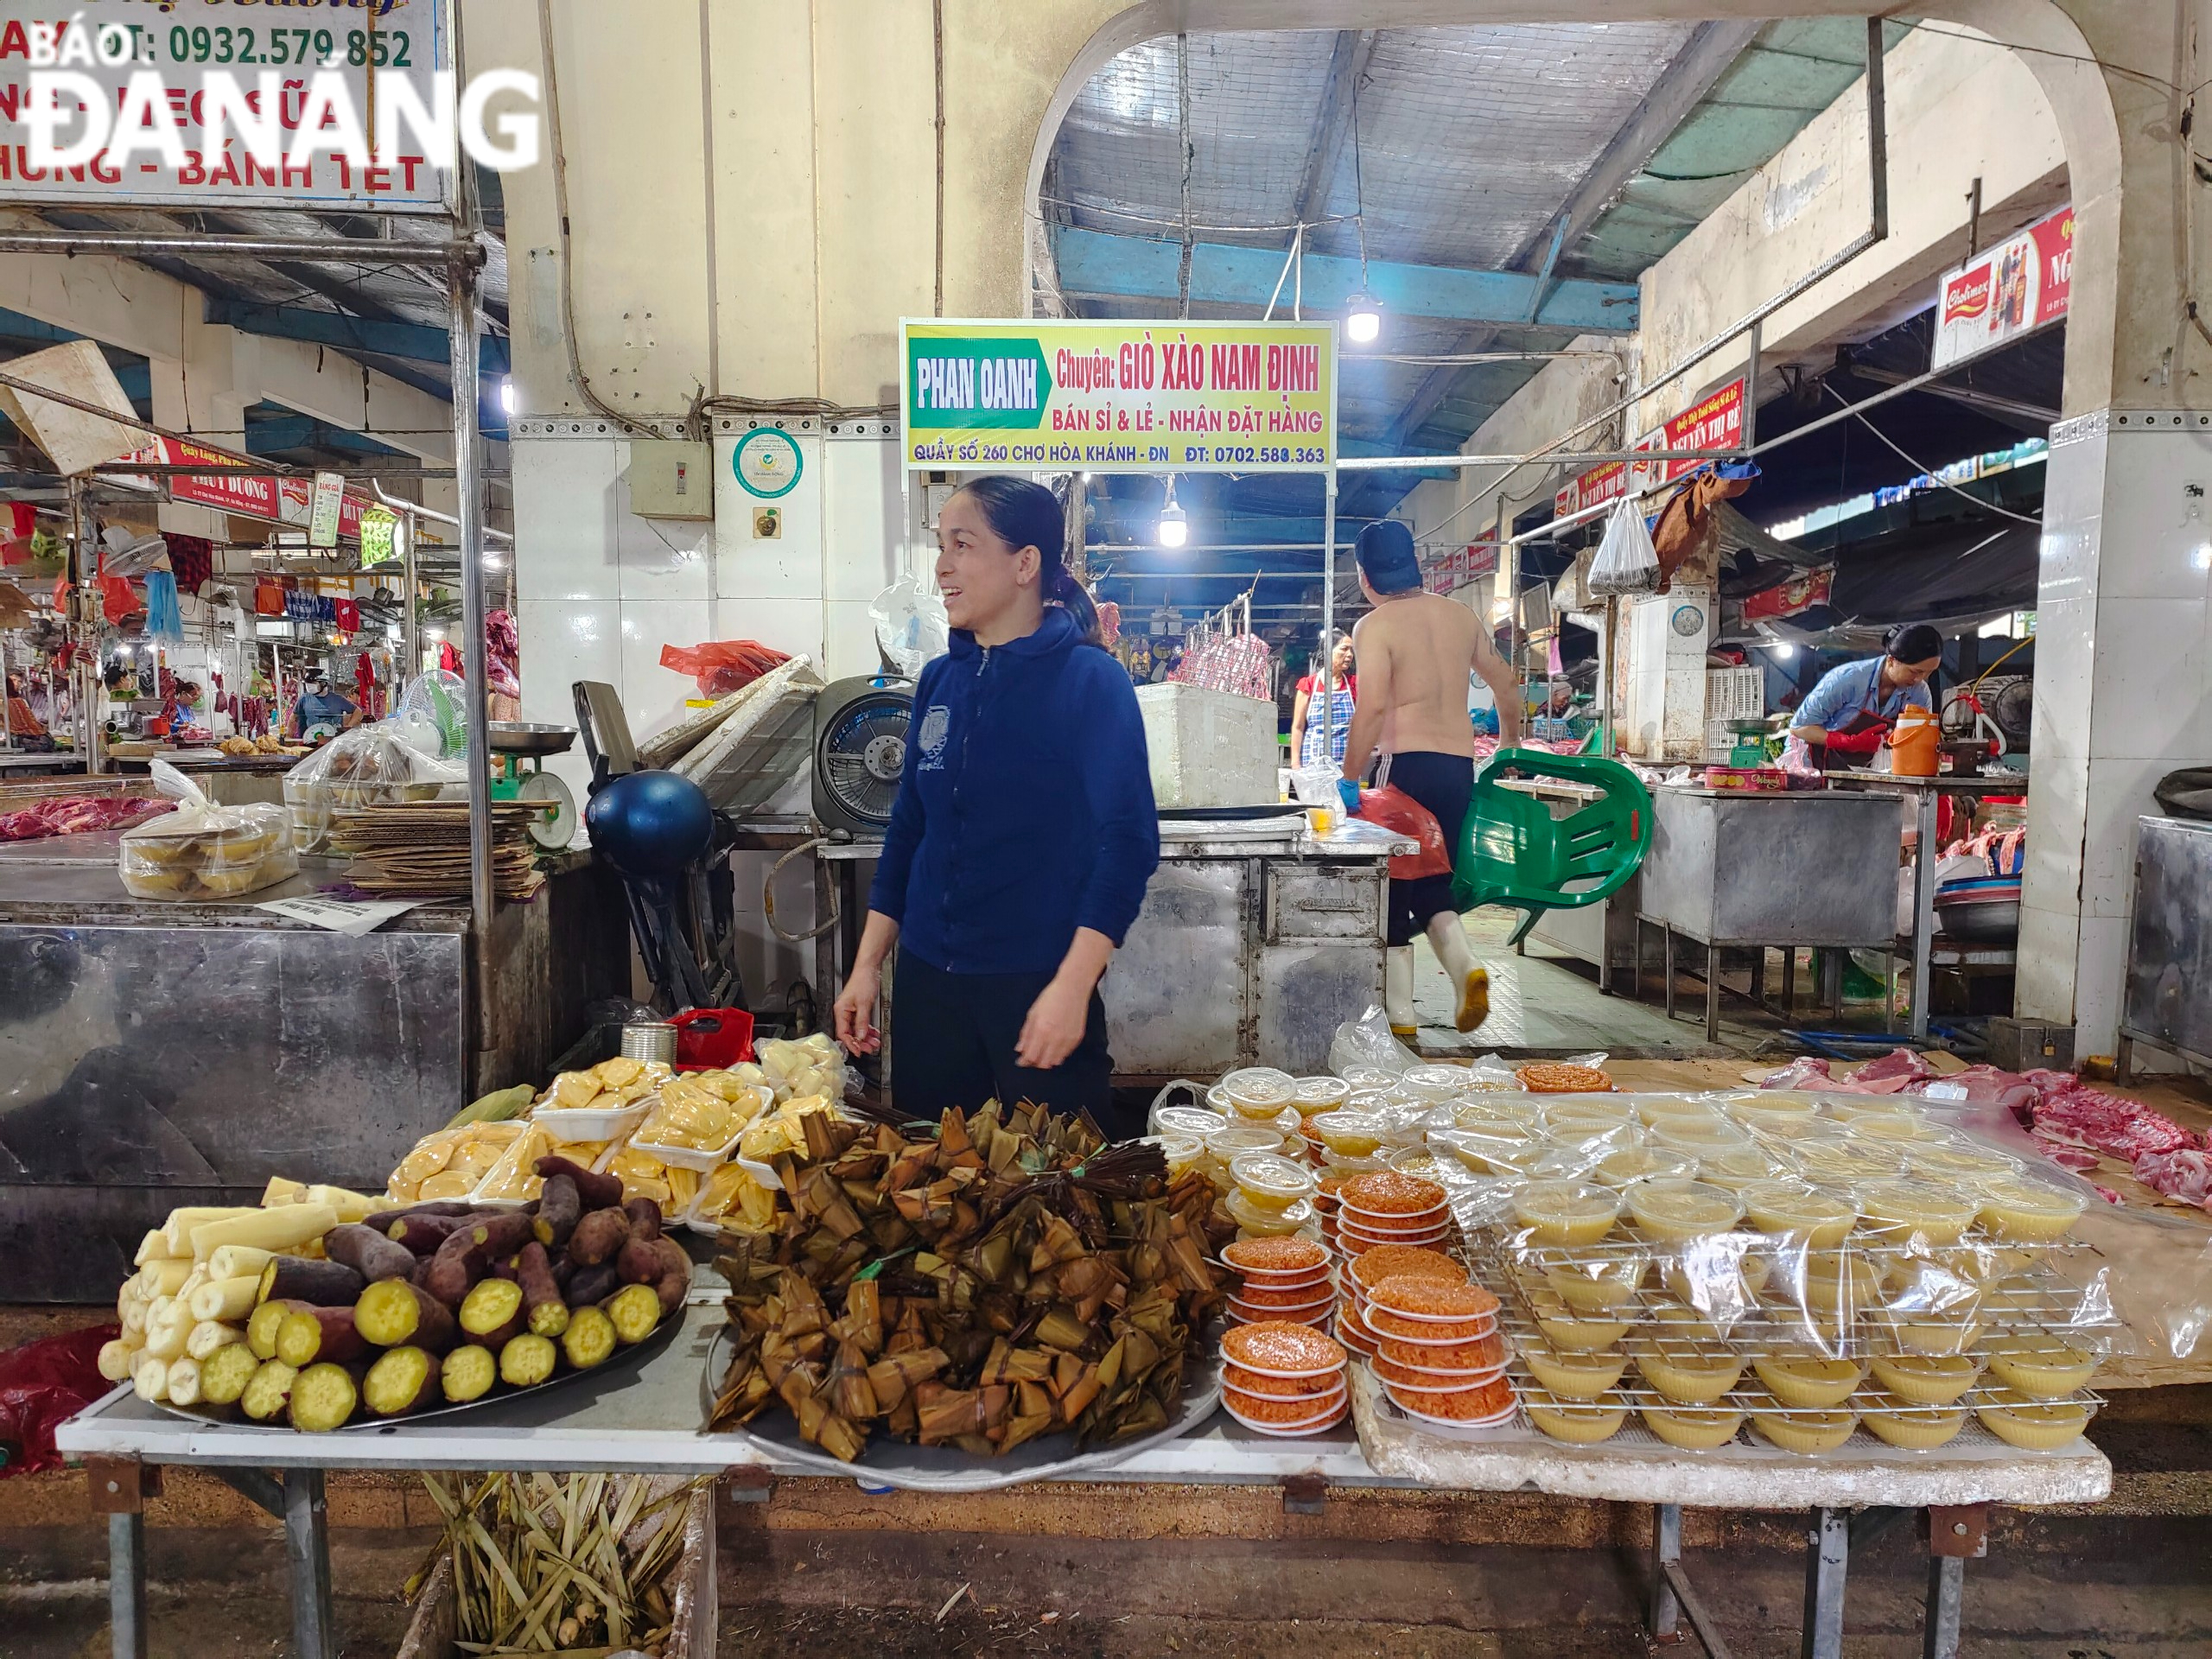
{"x": 860, "y": 749}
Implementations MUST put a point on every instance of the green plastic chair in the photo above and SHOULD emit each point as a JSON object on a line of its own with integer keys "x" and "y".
{"x": 1513, "y": 851}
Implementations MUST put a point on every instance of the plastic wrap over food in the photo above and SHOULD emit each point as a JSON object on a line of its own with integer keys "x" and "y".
{"x": 370, "y": 766}
{"x": 202, "y": 851}
{"x": 1366, "y": 1044}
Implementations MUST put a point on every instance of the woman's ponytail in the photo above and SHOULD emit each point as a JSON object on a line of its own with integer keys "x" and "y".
{"x": 1068, "y": 591}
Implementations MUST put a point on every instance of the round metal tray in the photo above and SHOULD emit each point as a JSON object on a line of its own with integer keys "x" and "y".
{"x": 582, "y": 1388}
{"x": 528, "y": 737}
{"x": 889, "y": 1462}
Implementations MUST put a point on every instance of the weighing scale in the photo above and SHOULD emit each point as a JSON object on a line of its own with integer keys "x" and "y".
{"x": 512, "y": 743}
{"x": 1751, "y": 748}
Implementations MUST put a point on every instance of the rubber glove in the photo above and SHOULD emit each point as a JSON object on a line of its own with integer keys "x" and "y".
{"x": 1347, "y": 791}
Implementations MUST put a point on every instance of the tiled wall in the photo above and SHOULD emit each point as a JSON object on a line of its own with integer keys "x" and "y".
{"x": 602, "y": 590}
{"x": 2123, "y": 692}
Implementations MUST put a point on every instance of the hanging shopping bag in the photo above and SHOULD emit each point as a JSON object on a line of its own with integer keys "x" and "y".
{"x": 1627, "y": 563}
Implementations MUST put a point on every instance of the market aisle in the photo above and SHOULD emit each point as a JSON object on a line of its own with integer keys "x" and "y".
{"x": 1540, "y": 1006}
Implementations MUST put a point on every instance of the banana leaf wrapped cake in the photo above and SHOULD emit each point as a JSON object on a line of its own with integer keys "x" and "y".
{"x": 1008, "y": 1276}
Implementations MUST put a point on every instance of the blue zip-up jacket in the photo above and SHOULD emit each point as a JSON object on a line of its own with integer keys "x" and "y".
{"x": 1025, "y": 809}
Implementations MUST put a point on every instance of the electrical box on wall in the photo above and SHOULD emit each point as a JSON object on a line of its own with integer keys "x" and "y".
{"x": 669, "y": 478}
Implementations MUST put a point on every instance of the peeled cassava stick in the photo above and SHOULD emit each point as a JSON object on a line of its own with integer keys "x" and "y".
{"x": 209, "y": 1335}
{"x": 282, "y": 1229}
{"x": 596, "y": 1192}
{"x": 154, "y": 1247}
{"x": 150, "y": 1381}
{"x": 319, "y": 1333}
{"x": 467, "y": 1374}
{"x": 351, "y": 1207}
{"x": 323, "y": 1397}
{"x": 368, "y": 1252}
{"x": 237, "y": 1262}
{"x": 295, "y": 1278}
{"x": 165, "y": 1277}
{"x": 226, "y": 1298}
{"x": 225, "y": 1373}
{"x": 394, "y": 1313}
{"x": 184, "y": 1382}
{"x": 176, "y": 1231}
{"x": 118, "y": 1359}
{"x": 402, "y": 1379}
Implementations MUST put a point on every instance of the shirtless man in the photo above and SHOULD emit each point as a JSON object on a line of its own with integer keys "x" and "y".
{"x": 1415, "y": 650}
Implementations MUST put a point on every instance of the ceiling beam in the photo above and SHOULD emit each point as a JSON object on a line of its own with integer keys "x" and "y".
{"x": 1332, "y": 122}
{"x": 1097, "y": 263}
{"x": 417, "y": 342}
{"x": 1711, "y": 50}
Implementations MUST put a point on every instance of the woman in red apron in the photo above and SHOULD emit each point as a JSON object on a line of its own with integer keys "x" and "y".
{"x": 1845, "y": 718}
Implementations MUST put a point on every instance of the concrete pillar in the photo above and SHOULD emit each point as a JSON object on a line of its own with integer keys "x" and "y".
{"x": 2121, "y": 649}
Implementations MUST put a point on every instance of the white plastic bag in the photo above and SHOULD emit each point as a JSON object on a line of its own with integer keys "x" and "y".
{"x": 202, "y": 851}
{"x": 1367, "y": 1042}
{"x": 370, "y": 766}
{"x": 1626, "y": 563}
{"x": 909, "y": 625}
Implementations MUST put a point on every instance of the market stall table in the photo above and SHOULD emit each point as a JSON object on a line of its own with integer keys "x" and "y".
{"x": 1923, "y": 793}
{"x": 648, "y": 1423}
{"x": 159, "y": 1053}
{"x": 1738, "y": 868}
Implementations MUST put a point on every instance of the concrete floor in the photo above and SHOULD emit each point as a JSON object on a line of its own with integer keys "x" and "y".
{"x": 1545, "y": 1003}
{"x": 796, "y": 1585}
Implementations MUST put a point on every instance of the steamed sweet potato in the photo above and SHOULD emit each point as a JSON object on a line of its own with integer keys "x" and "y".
{"x": 396, "y": 1313}
{"x": 526, "y": 1361}
{"x": 368, "y": 1252}
{"x": 635, "y": 1310}
{"x": 596, "y": 1192}
{"x": 589, "y": 1286}
{"x": 323, "y": 1397}
{"x": 645, "y": 1217}
{"x": 269, "y": 1390}
{"x": 559, "y": 1207}
{"x": 589, "y": 1338}
{"x": 598, "y": 1237}
{"x": 422, "y": 1235}
{"x": 401, "y": 1380}
{"x": 467, "y": 1374}
{"x": 319, "y": 1333}
{"x": 492, "y": 1312}
{"x": 295, "y": 1278}
{"x": 262, "y": 1327}
{"x": 546, "y": 1313}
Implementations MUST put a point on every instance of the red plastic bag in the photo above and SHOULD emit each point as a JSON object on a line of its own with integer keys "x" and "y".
{"x": 45, "y": 1383}
{"x": 712, "y": 1040}
{"x": 721, "y": 666}
{"x": 1396, "y": 809}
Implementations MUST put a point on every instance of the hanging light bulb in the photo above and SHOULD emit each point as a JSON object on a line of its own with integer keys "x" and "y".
{"x": 1174, "y": 523}
{"x": 1363, "y": 319}
{"x": 1783, "y": 651}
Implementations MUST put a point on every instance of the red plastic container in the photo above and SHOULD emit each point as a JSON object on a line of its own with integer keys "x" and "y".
{"x": 709, "y": 1040}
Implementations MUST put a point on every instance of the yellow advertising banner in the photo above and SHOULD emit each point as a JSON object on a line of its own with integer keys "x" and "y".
{"x": 1108, "y": 396}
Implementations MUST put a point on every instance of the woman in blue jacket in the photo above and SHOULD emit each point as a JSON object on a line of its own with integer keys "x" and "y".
{"x": 1023, "y": 835}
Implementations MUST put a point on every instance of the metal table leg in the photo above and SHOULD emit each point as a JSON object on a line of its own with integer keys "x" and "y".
{"x": 1924, "y": 910}
{"x": 1789, "y": 981}
{"x": 1712, "y": 994}
{"x": 1666, "y": 1551}
{"x": 1947, "y": 1577}
{"x": 126, "y": 1585}
{"x": 1758, "y": 972}
{"x": 306, "y": 1545}
{"x": 1832, "y": 962}
{"x": 1666, "y": 963}
{"x": 1827, "y": 1554}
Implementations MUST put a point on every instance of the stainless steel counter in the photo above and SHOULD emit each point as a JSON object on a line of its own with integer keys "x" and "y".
{"x": 1732, "y": 867}
{"x": 154, "y": 1054}
{"x": 1256, "y": 942}
{"x": 2167, "y": 998}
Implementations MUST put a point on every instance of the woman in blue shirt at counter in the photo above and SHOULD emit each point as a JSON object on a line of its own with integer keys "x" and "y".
{"x": 1023, "y": 835}
{"x": 1844, "y": 719}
